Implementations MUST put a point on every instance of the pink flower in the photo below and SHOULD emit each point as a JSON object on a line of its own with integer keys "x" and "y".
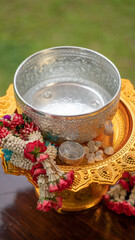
{"x": 124, "y": 184}
{"x": 46, "y": 205}
{"x": 39, "y": 206}
{"x": 58, "y": 204}
{"x": 32, "y": 150}
{"x": 36, "y": 166}
{"x": 53, "y": 187}
{"x": 62, "y": 184}
{"x": 37, "y": 170}
{"x": 3, "y": 132}
{"x": 42, "y": 157}
{"x": 69, "y": 177}
{"x": 127, "y": 208}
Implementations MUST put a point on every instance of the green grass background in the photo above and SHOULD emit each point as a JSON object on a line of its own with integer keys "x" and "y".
{"x": 27, "y": 26}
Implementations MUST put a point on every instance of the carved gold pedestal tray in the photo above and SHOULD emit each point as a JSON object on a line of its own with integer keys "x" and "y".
{"x": 92, "y": 181}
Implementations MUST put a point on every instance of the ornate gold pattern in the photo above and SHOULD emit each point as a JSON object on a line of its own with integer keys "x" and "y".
{"x": 83, "y": 194}
{"x": 7, "y": 102}
{"x": 84, "y": 198}
{"x": 65, "y": 194}
{"x": 107, "y": 171}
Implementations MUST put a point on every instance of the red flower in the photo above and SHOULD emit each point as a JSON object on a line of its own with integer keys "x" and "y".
{"x": 126, "y": 175}
{"x": 30, "y": 156}
{"x": 53, "y": 187}
{"x": 3, "y": 132}
{"x": 124, "y": 184}
{"x": 69, "y": 177}
{"x": 46, "y": 205}
{"x": 4, "y": 123}
{"x": 62, "y": 185}
{"x": 110, "y": 205}
{"x": 121, "y": 207}
{"x": 132, "y": 181}
{"x": 127, "y": 181}
{"x": 127, "y": 208}
{"x": 37, "y": 170}
{"x": 28, "y": 128}
{"x": 35, "y": 128}
{"x": 39, "y": 206}
{"x": 133, "y": 210}
{"x": 58, "y": 204}
{"x": 118, "y": 207}
{"x": 106, "y": 197}
{"x": 32, "y": 150}
{"x": 17, "y": 120}
{"x": 36, "y": 166}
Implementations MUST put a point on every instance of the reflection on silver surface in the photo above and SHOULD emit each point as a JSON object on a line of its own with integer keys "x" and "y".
{"x": 67, "y": 98}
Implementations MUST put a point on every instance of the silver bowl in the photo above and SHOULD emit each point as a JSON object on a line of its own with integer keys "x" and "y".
{"x": 69, "y": 92}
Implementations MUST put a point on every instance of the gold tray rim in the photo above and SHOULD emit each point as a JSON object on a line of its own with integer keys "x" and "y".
{"x": 106, "y": 172}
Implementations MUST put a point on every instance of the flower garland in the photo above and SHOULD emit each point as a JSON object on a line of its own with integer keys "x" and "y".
{"x": 23, "y": 145}
{"x": 121, "y": 197}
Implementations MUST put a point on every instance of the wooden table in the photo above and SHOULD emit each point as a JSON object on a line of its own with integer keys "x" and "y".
{"x": 19, "y": 218}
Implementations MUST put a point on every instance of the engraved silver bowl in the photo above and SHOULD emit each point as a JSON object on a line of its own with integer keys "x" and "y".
{"x": 69, "y": 92}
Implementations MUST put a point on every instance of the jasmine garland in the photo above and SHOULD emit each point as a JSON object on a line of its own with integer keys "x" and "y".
{"x": 121, "y": 197}
{"x": 23, "y": 145}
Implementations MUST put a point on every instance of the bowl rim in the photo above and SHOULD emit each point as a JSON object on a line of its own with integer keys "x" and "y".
{"x": 66, "y": 116}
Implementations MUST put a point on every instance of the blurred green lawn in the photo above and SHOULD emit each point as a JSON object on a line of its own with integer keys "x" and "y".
{"x": 27, "y": 26}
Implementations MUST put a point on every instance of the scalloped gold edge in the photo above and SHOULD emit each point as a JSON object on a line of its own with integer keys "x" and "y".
{"x": 7, "y": 102}
{"x": 106, "y": 172}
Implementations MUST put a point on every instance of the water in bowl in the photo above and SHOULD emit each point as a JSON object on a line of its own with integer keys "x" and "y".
{"x": 67, "y": 98}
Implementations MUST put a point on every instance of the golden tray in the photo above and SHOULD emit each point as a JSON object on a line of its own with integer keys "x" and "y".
{"x": 91, "y": 181}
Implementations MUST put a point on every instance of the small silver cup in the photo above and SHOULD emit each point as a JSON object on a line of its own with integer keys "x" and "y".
{"x": 71, "y": 153}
